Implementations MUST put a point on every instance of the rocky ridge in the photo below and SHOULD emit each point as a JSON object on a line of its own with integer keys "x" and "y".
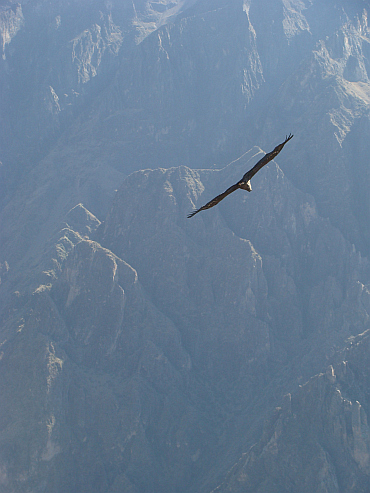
{"x": 318, "y": 440}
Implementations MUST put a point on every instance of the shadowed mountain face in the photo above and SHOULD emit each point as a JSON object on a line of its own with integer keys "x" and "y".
{"x": 144, "y": 352}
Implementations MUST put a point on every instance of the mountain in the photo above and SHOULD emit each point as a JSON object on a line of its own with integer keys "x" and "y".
{"x": 145, "y": 352}
{"x": 318, "y": 440}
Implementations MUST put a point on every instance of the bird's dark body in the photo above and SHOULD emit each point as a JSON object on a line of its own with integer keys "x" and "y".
{"x": 245, "y": 185}
{"x": 245, "y": 182}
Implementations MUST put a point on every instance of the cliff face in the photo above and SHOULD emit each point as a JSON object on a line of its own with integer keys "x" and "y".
{"x": 100, "y": 363}
{"x": 301, "y": 274}
{"x": 331, "y": 92}
{"x": 154, "y": 365}
{"x": 318, "y": 440}
{"x": 56, "y": 58}
{"x": 141, "y": 351}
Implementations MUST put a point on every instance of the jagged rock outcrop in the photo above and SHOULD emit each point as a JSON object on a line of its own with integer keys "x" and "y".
{"x": 56, "y": 58}
{"x": 303, "y": 276}
{"x": 102, "y": 365}
{"x": 318, "y": 440}
{"x": 331, "y": 87}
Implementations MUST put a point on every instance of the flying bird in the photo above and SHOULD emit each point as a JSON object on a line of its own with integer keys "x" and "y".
{"x": 245, "y": 182}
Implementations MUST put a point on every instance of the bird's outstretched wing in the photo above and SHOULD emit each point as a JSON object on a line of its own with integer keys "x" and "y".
{"x": 266, "y": 159}
{"x": 246, "y": 178}
{"x": 216, "y": 200}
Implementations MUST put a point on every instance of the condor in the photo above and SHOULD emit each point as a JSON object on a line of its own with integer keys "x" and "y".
{"x": 245, "y": 182}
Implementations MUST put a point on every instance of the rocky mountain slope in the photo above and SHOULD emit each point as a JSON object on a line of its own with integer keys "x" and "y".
{"x": 156, "y": 369}
{"x": 318, "y": 440}
{"x": 141, "y": 351}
